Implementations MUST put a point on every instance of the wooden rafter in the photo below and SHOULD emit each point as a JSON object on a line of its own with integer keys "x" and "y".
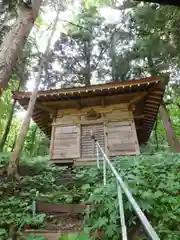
{"x": 44, "y": 108}
{"x": 138, "y": 97}
{"x": 150, "y": 108}
{"x": 139, "y": 116}
{"x": 155, "y": 96}
{"x": 150, "y": 105}
{"x": 152, "y": 101}
{"x": 144, "y": 116}
{"x": 100, "y": 98}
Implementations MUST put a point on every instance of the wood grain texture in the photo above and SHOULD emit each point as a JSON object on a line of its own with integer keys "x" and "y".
{"x": 121, "y": 138}
{"x": 66, "y": 142}
{"x": 87, "y": 144}
{"x": 114, "y": 131}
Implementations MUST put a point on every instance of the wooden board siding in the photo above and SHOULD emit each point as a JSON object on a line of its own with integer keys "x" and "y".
{"x": 66, "y": 142}
{"x": 114, "y": 129}
{"x": 88, "y": 149}
{"x": 121, "y": 138}
{"x": 78, "y": 116}
{"x": 117, "y": 112}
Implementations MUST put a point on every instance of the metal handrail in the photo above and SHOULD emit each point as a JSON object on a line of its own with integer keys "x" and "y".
{"x": 122, "y": 186}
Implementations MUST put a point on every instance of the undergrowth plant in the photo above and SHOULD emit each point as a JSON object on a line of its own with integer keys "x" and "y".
{"x": 154, "y": 181}
{"x": 16, "y": 197}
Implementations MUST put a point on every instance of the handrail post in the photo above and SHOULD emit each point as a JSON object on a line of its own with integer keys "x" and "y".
{"x": 121, "y": 212}
{"x": 146, "y": 224}
{"x": 104, "y": 170}
{"x": 97, "y": 155}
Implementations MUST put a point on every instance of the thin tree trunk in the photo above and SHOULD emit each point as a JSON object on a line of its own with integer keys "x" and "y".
{"x": 1, "y": 91}
{"x": 15, "y": 40}
{"x": 32, "y": 141}
{"x": 152, "y": 67}
{"x": 171, "y": 137}
{"x": 88, "y": 62}
{"x": 14, "y": 160}
{"x": 14, "y": 142}
{"x": 113, "y": 56}
{"x": 12, "y": 168}
{"x": 156, "y": 135}
{"x": 8, "y": 124}
{"x": 87, "y": 53}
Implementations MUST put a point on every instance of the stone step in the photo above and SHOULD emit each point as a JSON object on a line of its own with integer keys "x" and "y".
{"x": 49, "y": 235}
{"x": 58, "y": 225}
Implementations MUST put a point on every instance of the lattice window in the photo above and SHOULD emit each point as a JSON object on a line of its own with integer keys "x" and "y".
{"x": 87, "y": 145}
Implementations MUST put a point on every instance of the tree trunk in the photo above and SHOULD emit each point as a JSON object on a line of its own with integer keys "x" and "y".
{"x": 8, "y": 124}
{"x": 33, "y": 139}
{"x": 156, "y": 135}
{"x": 15, "y": 40}
{"x": 171, "y": 137}
{"x": 14, "y": 143}
{"x": 12, "y": 168}
{"x": 14, "y": 160}
{"x": 88, "y": 62}
{"x": 113, "y": 56}
{"x": 152, "y": 68}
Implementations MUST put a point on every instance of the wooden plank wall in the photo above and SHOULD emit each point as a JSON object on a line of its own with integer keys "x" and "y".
{"x": 78, "y": 116}
{"x": 71, "y": 132}
{"x": 66, "y": 142}
{"x": 121, "y": 138}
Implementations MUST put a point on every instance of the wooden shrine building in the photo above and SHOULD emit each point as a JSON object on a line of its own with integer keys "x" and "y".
{"x": 121, "y": 116}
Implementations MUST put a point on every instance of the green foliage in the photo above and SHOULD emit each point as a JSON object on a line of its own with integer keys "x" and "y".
{"x": 16, "y": 197}
{"x": 5, "y": 108}
{"x": 3, "y": 233}
{"x": 36, "y": 143}
{"x": 98, "y": 3}
{"x": 152, "y": 179}
{"x": 154, "y": 182}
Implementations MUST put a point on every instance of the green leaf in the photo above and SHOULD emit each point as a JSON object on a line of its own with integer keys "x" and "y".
{"x": 102, "y": 221}
{"x": 85, "y": 187}
{"x": 3, "y": 232}
{"x": 70, "y": 236}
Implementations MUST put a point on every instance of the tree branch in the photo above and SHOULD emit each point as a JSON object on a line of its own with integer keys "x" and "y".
{"x": 76, "y": 25}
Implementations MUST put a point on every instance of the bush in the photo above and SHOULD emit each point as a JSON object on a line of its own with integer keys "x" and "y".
{"x": 155, "y": 183}
{"x": 17, "y": 196}
{"x": 154, "y": 180}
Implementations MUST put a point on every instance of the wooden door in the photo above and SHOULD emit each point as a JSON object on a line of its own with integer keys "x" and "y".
{"x": 88, "y": 149}
{"x": 121, "y": 138}
{"x": 66, "y": 144}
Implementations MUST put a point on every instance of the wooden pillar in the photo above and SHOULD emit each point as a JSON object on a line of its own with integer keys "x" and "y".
{"x": 171, "y": 137}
